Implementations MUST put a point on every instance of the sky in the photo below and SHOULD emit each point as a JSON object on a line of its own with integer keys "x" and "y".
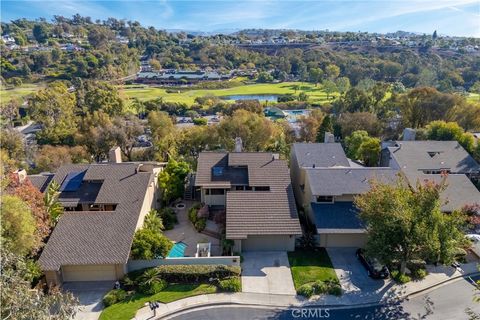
{"x": 457, "y": 18}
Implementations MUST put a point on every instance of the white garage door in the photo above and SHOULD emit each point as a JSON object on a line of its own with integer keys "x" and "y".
{"x": 330, "y": 240}
{"x": 89, "y": 273}
{"x": 268, "y": 243}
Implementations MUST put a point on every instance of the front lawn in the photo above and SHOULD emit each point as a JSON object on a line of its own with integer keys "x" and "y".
{"x": 308, "y": 266}
{"x": 126, "y": 310}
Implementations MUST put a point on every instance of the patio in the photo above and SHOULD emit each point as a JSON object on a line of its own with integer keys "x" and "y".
{"x": 186, "y": 233}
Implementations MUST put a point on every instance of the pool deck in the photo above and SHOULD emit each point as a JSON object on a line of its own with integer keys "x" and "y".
{"x": 185, "y": 232}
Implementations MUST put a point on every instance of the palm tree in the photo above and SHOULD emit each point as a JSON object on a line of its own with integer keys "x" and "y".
{"x": 50, "y": 199}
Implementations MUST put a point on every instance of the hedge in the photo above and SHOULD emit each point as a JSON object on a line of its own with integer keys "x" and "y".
{"x": 196, "y": 273}
{"x": 230, "y": 285}
{"x": 320, "y": 287}
{"x": 114, "y": 296}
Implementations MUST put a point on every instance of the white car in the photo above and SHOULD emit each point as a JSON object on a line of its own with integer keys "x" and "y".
{"x": 475, "y": 238}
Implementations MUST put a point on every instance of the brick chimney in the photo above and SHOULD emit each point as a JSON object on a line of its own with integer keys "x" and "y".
{"x": 329, "y": 138}
{"x": 238, "y": 144}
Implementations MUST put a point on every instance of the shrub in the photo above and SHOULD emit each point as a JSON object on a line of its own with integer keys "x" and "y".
{"x": 114, "y": 296}
{"x": 320, "y": 287}
{"x": 230, "y": 285}
{"x": 169, "y": 218}
{"x": 419, "y": 273}
{"x": 148, "y": 245}
{"x": 198, "y": 223}
{"x": 196, "y": 273}
{"x": 306, "y": 290}
{"x": 400, "y": 278}
{"x": 200, "y": 121}
{"x": 335, "y": 289}
{"x": 153, "y": 287}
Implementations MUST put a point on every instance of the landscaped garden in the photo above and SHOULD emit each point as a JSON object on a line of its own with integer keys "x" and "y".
{"x": 166, "y": 284}
{"x": 313, "y": 273}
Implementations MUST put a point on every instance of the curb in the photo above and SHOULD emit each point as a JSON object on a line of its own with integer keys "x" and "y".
{"x": 335, "y": 306}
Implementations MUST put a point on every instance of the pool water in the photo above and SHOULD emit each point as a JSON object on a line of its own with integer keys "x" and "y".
{"x": 177, "y": 251}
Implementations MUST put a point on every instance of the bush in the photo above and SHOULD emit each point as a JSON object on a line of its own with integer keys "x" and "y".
{"x": 200, "y": 121}
{"x": 419, "y": 274}
{"x": 400, "y": 278}
{"x": 198, "y": 223}
{"x": 153, "y": 287}
{"x": 320, "y": 287}
{"x": 230, "y": 285}
{"x": 148, "y": 245}
{"x": 196, "y": 273}
{"x": 169, "y": 218}
{"x": 306, "y": 290}
{"x": 114, "y": 296}
{"x": 335, "y": 289}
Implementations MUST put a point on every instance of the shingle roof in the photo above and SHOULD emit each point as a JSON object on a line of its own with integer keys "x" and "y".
{"x": 98, "y": 237}
{"x": 415, "y": 156}
{"x": 252, "y": 212}
{"x": 459, "y": 192}
{"x": 41, "y": 181}
{"x": 339, "y": 181}
{"x": 337, "y": 217}
{"x": 320, "y": 155}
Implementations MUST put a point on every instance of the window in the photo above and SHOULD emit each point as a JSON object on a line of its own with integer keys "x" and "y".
{"x": 239, "y": 188}
{"x": 248, "y": 188}
{"x": 325, "y": 199}
{"x": 215, "y": 192}
{"x": 262, "y": 188}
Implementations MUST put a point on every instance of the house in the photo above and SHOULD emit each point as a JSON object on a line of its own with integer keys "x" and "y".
{"x": 325, "y": 183}
{"x": 431, "y": 160}
{"x": 255, "y": 190}
{"x": 104, "y": 205}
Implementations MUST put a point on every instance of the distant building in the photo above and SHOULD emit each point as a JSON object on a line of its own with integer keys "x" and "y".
{"x": 179, "y": 77}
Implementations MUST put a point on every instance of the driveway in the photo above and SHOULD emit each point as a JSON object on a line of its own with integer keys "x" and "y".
{"x": 90, "y": 296}
{"x": 267, "y": 272}
{"x": 353, "y": 275}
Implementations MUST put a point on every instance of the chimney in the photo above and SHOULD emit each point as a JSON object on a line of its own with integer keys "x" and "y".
{"x": 114, "y": 155}
{"x": 329, "y": 138}
{"x": 21, "y": 175}
{"x": 275, "y": 156}
{"x": 238, "y": 144}
{"x": 408, "y": 134}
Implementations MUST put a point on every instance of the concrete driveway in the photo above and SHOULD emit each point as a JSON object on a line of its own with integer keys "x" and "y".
{"x": 353, "y": 275}
{"x": 267, "y": 272}
{"x": 90, "y": 296}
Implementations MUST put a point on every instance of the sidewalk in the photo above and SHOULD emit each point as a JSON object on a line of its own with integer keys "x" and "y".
{"x": 437, "y": 276}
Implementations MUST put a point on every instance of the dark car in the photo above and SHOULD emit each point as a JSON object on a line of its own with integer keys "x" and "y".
{"x": 374, "y": 268}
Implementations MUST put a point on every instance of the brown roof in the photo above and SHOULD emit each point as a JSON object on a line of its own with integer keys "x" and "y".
{"x": 99, "y": 237}
{"x": 270, "y": 212}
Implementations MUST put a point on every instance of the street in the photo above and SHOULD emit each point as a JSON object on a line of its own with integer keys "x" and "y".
{"x": 447, "y": 302}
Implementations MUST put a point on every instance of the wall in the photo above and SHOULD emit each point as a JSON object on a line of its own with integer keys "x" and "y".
{"x": 142, "y": 264}
{"x": 213, "y": 200}
{"x": 151, "y": 198}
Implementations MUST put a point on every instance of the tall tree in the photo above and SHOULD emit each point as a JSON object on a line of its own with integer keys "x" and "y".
{"x": 406, "y": 223}
{"x": 53, "y": 206}
{"x": 172, "y": 180}
{"x": 326, "y": 126}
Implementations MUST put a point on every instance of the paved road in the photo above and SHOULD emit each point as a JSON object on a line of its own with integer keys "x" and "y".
{"x": 449, "y": 302}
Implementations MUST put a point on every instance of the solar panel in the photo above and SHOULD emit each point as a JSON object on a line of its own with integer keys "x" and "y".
{"x": 217, "y": 171}
{"x": 72, "y": 181}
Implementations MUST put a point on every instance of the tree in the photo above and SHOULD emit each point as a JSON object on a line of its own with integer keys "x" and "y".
{"x": 102, "y": 96}
{"x": 447, "y": 131}
{"x": 343, "y": 84}
{"x": 125, "y": 132}
{"x": 11, "y": 142}
{"x": 350, "y": 122}
{"x": 99, "y": 37}
{"x": 405, "y": 223}
{"x": 360, "y": 146}
{"x": 153, "y": 221}
{"x": 40, "y": 32}
{"x": 332, "y": 71}
{"x": 54, "y": 109}
{"x": 172, "y": 179}
{"x": 164, "y": 135}
{"x": 309, "y": 125}
{"x": 50, "y": 199}
{"x": 50, "y": 158}
{"x": 20, "y": 301}
{"x": 148, "y": 244}
{"x": 18, "y": 225}
{"x": 329, "y": 87}
{"x": 326, "y": 126}
{"x": 264, "y": 77}
{"x": 315, "y": 75}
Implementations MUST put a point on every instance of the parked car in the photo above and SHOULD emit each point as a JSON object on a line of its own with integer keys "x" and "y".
{"x": 374, "y": 268}
{"x": 475, "y": 238}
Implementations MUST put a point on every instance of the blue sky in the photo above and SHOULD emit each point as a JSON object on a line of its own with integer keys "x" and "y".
{"x": 448, "y": 17}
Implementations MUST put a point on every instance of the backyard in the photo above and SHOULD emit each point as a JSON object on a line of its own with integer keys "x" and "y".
{"x": 126, "y": 310}
{"x": 308, "y": 266}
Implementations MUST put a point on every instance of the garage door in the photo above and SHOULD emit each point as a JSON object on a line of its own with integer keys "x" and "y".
{"x": 268, "y": 243}
{"x": 343, "y": 240}
{"x": 89, "y": 273}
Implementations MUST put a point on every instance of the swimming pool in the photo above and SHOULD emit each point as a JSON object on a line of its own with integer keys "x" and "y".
{"x": 177, "y": 251}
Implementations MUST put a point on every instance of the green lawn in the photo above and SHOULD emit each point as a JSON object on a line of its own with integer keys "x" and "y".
{"x": 315, "y": 93}
{"x": 309, "y": 265}
{"x": 473, "y": 97}
{"x": 7, "y": 94}
{"x": 126, "y": 310}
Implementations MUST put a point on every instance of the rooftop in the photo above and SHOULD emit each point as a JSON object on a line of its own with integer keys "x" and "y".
{"x": 97, "y": 237}
{"x": 337, "y": 217}
{"x": 320, "y": 155}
